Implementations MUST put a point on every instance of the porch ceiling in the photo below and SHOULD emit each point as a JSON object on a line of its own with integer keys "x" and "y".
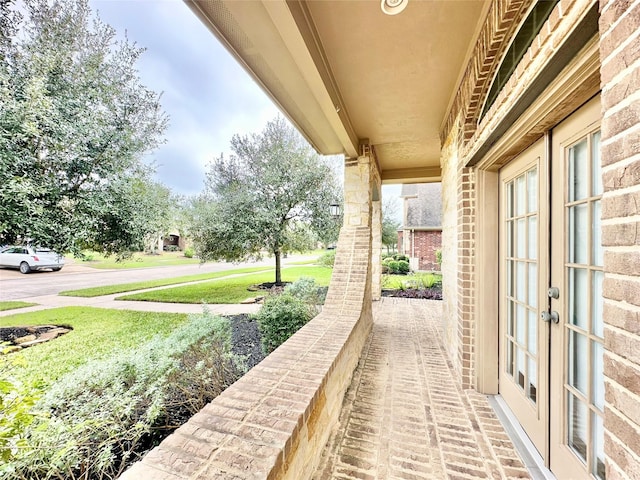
{"x": 345, "y": 73}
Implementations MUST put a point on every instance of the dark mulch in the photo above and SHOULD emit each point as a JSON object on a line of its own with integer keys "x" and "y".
{"x": 434, "y": 293}
{"x": 272, "y": 288}
{"x": 245, "y": 338}
{"x": 9, "y": 334}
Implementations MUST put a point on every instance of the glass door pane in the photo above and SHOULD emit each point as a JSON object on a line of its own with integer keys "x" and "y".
{"x": 577, "y": 347}
{"x": 521, "y": 227}
{"x": 584, "y": 384}
{"x": 524, "y": 259}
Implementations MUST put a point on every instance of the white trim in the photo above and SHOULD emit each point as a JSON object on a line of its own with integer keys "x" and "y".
{"x": 528, "y": 453}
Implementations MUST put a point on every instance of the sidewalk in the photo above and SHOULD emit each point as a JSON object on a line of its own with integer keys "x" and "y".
{"x": 108, "y": 301}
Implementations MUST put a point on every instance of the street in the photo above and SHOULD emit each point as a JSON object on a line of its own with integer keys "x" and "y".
{"x": 74, "y": 275}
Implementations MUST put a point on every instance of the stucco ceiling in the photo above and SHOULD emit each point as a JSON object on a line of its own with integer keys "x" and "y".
{"x": 345, "y": 73}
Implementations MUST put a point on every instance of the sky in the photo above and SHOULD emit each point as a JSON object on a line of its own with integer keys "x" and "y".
{"x": 208, "y": 96}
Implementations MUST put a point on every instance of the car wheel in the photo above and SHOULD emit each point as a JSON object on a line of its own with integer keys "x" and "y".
{"x": 24, "y": 267}
{"x": 56, "y": 269}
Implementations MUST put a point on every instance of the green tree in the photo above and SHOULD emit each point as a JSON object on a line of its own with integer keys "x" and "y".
{"x": 273, "y": 193}
{"x": 390, "y": 224}
{"x": 75, "y": 122}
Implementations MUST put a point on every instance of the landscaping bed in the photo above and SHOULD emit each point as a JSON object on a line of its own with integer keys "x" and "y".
{"x": 94, "y": 420}
{"x": 433, "y": 293}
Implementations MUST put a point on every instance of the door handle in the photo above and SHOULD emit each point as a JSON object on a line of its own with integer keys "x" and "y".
{"x": 550, "y": 317}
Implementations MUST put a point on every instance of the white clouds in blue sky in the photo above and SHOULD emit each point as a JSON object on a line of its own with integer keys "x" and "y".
{"x": 206, "y": 93}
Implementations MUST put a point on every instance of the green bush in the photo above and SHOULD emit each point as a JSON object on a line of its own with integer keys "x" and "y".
{"x": 327, "y": 259}
{"x": 394, "y": 267}
{"x": 387, "y": 260}
{"x": 280, "y": 317}
{"x": 171, "y": 248}
{"x": 16, "y": 401}
{"x": 403, "y": 267}
{"x": 104, "y": 415}
{"x": 188, "y": 252}
{"x": 439, "y": 257}
{"x": 400, "y": 257}
{"x": 398, "y": 267}
{"x": 307, "y": 290}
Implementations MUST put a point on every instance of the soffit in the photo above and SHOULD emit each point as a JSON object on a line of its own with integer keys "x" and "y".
{"x": 345, "y": 73}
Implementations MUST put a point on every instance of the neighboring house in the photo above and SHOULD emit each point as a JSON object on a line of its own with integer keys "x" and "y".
{"x": 173, "y": 239}
{"x": 421, "y": 235}
{"x": 528, "y": 113}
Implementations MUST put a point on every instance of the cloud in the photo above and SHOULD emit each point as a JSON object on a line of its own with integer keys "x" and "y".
{"x": 206, "y": 93}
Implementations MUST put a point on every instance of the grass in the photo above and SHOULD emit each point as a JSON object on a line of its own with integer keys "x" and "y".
{"x": 96, "y": 333}
{"x": 414, "y": 280}
{"x": 10, "y": 305}
{"x": 139, "y": 260}
{"x": 130, "y": 287}
{"x": 231, "y": 290}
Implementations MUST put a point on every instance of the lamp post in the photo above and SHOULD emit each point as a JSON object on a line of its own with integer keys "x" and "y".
{"x": 334, "y": 209}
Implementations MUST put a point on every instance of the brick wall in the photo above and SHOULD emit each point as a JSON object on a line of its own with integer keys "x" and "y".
{"x": 620, "y": 77}
{"x": 466, "y": 276}
{"x": 275, "y": 421}
{"x": 422, "y": 244}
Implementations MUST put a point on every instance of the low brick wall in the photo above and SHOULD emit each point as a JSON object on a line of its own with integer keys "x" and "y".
{"x": 274, "y": 422}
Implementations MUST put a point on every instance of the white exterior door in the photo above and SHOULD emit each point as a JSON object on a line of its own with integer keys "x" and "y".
{"x": 551, "y": 327}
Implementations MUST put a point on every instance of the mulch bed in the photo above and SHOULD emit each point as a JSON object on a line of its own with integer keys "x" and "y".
{"x": 246, "y": 338}
{"x": 434, "y": 293}
{"x": 19, "y": 337}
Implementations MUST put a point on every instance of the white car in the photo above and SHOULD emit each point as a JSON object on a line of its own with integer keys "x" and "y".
{"x": 27, "y": 258}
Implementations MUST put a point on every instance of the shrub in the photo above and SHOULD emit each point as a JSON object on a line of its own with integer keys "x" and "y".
{"x": 171, "y": 248}
{"x": 16, "y": 401}
{"x": 280, "y": 317}
{"x": 188, "y": 252}
{"x": 397, "y": 267}
{"x": 107, "y": 413}
{"x": 439, "y": 257}
{"x": 400, "y": 257}
{"x": 327, "y": 259}
{"x": 306, "y": 289}
{"x": 403, "y": 267}
{"x": 393, "y": 266}
{"x": 387, "y": 260}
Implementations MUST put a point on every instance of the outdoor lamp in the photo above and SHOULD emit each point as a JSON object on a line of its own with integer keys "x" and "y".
{"x": 334, "y": 208}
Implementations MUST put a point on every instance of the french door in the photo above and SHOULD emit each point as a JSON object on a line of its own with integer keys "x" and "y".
{"x": 551, "y": 338}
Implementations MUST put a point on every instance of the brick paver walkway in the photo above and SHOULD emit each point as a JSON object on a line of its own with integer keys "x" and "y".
{"x": 406, "y": 417}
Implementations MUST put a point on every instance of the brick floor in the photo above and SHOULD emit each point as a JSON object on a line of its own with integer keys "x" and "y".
{"x": 405, "y": 415}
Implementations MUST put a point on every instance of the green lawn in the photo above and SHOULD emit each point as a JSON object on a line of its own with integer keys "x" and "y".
{"x": 231, "y": 290}
{"x": 130, "y": 287}
{"x": 96, "y": 333}
{"x": 139, "y": 260}
{"x": 14, "y": 304}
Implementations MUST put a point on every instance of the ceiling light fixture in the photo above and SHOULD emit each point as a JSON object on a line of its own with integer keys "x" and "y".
{"x": 393, "y": 7}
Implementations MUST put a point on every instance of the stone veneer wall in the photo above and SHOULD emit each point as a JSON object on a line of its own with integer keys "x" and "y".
{"x": 620, "y": 80}
{"x": 273, "y": 423}
{"x": 449, "y": 247}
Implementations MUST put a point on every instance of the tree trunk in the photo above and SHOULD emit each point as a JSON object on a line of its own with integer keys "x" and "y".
{"x": 278, "y": 274}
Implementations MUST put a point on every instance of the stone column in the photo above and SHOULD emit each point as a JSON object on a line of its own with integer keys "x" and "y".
{"x": 358, "y": 179}
{"x": 376, "y": 245}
